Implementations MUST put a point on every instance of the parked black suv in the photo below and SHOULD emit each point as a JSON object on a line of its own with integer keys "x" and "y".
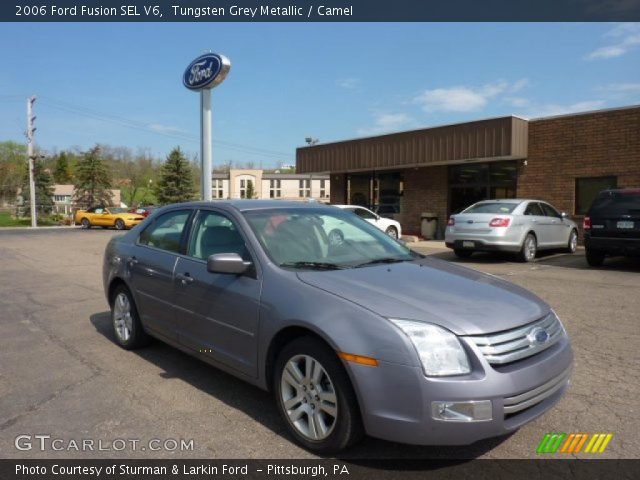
{"x": 612, "y": 225}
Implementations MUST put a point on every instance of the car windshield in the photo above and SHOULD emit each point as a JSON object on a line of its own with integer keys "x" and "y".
{"x": 491, "y": 207}
{"x": 117, "y": 210}
{"x": 323, "y": 239}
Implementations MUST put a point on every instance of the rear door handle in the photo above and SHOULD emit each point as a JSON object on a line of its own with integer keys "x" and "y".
{"x": 184, "y": 278}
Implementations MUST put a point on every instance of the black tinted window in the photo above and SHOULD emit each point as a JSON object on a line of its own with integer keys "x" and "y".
{"x": 534, "y": 209}
{"x": 616, "y": 204}
{"x": 549, "y": 211}
{"x": 166, "y": 231}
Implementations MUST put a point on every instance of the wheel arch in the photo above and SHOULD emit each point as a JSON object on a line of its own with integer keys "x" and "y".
{"x": 282, "y": 338}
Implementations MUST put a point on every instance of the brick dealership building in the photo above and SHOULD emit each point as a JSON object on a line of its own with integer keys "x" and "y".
{"x": 565, "y": 160}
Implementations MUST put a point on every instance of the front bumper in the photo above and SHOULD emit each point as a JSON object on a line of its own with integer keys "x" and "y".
{"x": 396, "y": 400}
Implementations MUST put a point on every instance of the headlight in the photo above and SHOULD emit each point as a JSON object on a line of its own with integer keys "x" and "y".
{"x": 440, "y": 350}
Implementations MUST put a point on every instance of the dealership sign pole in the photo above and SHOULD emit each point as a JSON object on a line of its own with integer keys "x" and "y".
{"x": 203, "y": 74}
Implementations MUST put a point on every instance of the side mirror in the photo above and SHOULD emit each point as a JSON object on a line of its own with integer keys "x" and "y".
{"x": 229, "y": 263}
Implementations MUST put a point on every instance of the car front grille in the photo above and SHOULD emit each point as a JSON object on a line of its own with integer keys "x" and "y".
{"x": 511, "y": 345}
{"x": 517, "y": 403}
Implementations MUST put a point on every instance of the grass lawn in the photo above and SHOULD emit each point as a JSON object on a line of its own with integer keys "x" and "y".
{"x": 8, "y": 220}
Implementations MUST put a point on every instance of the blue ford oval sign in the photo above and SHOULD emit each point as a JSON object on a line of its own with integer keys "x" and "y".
{"x": 206, "y": 71}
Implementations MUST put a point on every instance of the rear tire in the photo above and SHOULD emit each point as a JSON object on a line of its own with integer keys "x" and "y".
{"x": 125, "y": 320}
{"x": 529, "y": 248}
{"x": 595, "y": 258}
{"x": 320, "y": 411}
{"x": 572, "y": 245}
{"x": 462, "y": 253}
{"x": 86, "y": 224}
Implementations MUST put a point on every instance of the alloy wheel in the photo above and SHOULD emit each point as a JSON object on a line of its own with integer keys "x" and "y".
{"x": 122, "y": 320}
{"x": 573, "y": 242}
{"x": 530, "y": 248}
{"x": 309, "y": 397}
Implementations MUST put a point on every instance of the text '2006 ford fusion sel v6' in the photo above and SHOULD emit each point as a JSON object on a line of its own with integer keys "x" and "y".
{"x": 353, "y": 332}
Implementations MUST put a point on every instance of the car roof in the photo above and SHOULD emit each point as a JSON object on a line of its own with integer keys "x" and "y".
{"x": 511, "y": 200}
{"x": 244, "y": 205}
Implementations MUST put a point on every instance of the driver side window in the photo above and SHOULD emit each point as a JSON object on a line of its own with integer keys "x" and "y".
{"x": 215, "y": 233}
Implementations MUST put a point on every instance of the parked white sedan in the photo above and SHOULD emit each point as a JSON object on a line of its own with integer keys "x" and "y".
{"x": 387, "y": 225}
{"x": 510, "y": 225}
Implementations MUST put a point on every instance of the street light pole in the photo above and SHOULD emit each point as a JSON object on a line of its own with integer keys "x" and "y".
{"x": 32, "y": 184}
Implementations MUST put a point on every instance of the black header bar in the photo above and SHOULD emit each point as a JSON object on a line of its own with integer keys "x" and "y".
{"x": 320, "y": 11}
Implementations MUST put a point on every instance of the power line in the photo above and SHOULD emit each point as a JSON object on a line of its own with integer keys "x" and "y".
{"x": 128, "y": 123}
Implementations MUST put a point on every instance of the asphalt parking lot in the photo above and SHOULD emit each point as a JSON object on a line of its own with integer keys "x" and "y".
{"x": 62, "y": 375}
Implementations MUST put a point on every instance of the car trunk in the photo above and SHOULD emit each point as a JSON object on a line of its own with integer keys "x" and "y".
{"x": 616, "y": 215}
{"x": 475, "y": 222}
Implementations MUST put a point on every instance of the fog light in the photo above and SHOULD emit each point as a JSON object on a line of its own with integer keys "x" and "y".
{"x": 471, "y": 411}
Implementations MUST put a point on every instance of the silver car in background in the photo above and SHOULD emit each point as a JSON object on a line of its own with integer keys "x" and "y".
{"x": 511, "y": 225}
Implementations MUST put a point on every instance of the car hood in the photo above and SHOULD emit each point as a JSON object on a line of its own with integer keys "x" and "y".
{"x": 462, "y": 300}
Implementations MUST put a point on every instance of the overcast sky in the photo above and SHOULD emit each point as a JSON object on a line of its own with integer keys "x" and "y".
{"x": 121, "y": 83}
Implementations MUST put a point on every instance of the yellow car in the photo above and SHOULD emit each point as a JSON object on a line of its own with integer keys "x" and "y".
{"x": 107, "y": 217}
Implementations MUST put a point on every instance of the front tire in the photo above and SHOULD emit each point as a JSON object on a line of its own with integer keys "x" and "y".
{"x": 392, "y": 232}
{"x": 120, "y": 224}
{"x": 86, "y": 224}
{"x": 315, "y": 397}
{"x": 595, "y": 258}
{"x": 572, "y": 245}
{"x": 126, "y": 323}
{"x": 529, "y": 248}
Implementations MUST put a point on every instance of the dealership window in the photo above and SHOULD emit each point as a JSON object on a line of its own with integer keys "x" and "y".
{"x": 588, "y": 188}
{"x": 323, "y": 189}
{"x": 305, "y": 188}
{"x": 275, "y": 188}
{"x": 216, "y": 188}
{"x": 471, "y": 183}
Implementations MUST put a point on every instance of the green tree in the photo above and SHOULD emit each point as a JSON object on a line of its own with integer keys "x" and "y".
{"x": 44, "y": 190}
{"x": 175, "y": 183}
{"x": 62, "y": 171}
{"x": 92, "y": 180}
{"x": 13, "y": 162}
{"x": 250, "y": 190}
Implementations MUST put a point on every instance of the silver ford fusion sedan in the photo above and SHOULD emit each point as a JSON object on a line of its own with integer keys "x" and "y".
{"x": 510, "y": 225}
{"x": 352, "y": 332}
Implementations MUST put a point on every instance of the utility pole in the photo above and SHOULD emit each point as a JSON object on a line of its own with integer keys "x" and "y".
{"x": 32, "y": 184}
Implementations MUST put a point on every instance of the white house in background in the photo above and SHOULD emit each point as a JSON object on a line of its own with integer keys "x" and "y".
{"x": 63, "y": 199}
{"x": 284, "y": 186}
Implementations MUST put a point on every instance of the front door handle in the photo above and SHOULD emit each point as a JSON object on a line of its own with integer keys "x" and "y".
{"x": 184, "y": 278}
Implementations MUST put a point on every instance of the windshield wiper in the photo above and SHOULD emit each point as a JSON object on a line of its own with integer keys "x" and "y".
{"x": 383, "y": 260}
{"x": 313, "y": 265}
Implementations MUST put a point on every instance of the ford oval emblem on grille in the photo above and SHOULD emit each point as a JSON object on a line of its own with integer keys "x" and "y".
{"x": 538, "y": 336}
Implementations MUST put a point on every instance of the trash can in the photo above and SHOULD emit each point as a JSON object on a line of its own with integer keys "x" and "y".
{"x": 428, "y": 225}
